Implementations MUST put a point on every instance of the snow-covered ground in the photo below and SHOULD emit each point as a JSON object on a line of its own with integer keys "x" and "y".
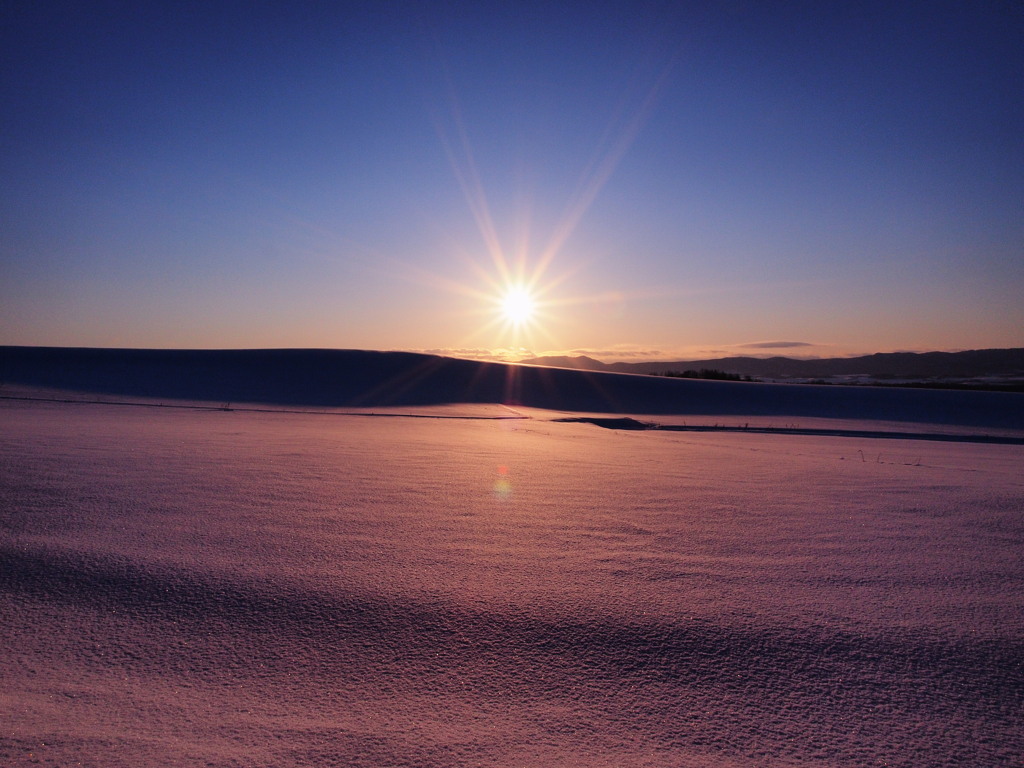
{"x": 229, "y": 588}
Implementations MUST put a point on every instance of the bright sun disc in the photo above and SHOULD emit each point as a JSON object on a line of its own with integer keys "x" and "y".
{"x": 517, "y": 305}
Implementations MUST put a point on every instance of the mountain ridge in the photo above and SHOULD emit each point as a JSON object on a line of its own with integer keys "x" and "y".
{"x": 882, "y": 365}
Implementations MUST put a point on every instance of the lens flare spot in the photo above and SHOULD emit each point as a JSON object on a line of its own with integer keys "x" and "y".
{"x": 502, "y": 485}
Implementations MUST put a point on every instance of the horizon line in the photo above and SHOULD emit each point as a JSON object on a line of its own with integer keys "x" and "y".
{"x": 507, "y": 356}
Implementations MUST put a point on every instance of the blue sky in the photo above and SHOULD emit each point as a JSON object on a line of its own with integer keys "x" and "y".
{"x": 673, "y": 179}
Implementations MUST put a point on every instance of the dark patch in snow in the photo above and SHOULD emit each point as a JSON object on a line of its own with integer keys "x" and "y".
{"x": 607, "y": 423}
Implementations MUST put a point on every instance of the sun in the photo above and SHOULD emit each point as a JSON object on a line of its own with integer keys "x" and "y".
{"x": 517, "y": 305}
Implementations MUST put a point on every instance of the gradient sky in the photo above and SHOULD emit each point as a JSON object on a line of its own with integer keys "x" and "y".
{"x": 676, "y": 179}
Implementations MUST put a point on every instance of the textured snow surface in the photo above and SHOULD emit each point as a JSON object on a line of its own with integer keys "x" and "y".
{"x": 207, "y": 588}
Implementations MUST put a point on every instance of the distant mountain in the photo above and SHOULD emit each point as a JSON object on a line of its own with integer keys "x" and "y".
{"x": 891, "y": 365}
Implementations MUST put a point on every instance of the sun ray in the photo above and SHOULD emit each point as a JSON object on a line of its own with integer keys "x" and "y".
{"x": 591, "y": 183}
{"x": 517, "y": 296}
{"x": 469, "y": 181}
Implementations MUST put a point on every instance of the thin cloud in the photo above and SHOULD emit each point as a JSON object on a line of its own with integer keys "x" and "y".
{"x": 634, "y": 353}
{"x": 500, "y": 355}
{"x": 776, "y": 344}
{"x": 610, "y": 354}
